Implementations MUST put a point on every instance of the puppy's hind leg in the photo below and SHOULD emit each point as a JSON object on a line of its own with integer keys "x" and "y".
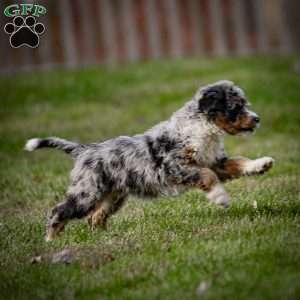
{"x": 57, "y": 219}
{"x": 105, "y": 209}
{"x": 75, "y": 206}
{"x": 98, "y": 216}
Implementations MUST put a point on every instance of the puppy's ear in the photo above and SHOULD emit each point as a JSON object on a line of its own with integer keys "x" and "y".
{"x": 212, "y": 100}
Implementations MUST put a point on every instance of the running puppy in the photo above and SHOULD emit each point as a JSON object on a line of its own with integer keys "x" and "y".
{"x": 186, "y": 151}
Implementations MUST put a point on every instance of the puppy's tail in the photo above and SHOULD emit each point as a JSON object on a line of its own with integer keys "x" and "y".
{"x": 68, "y": 147}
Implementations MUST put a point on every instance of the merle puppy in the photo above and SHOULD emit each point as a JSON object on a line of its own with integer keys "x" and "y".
{"x": 185, "y": 151}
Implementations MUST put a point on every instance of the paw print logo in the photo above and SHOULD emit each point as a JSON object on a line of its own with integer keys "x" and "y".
{"x": 24, "y": 32}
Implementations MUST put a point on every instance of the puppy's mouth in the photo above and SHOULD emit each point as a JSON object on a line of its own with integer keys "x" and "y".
{"x": 251, "y": 129}
{"x": 247, "y": 131}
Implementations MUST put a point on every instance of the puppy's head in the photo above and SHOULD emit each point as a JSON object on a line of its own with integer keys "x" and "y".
{"x": 225, "y": 104}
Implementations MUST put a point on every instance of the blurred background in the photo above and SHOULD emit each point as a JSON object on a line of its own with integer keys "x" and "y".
{"x": 117, "y": 67}
{"x": 84, "y": 32}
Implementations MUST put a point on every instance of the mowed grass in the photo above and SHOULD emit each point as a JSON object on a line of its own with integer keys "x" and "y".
{"x": 153, "y": 249}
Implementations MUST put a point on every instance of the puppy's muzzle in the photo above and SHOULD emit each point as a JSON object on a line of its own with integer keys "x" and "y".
{"x": 253, "y": 121}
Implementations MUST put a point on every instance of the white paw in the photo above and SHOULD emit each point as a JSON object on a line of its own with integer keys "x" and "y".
{"x": 259, "y": 166}
{"x": 219, "y": 196}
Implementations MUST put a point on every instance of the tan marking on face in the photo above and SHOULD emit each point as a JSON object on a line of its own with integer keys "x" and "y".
{"x": 228, "y": 127}
{"x": 243, "y": 122}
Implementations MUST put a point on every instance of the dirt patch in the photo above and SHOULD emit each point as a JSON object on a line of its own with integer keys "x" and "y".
{"x": 87, "y": 257}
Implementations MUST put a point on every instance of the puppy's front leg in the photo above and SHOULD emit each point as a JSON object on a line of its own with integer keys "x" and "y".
{"x": 231, "y": 168}
{"x": 258, "y": 166}
{"x": 213, "y": 188}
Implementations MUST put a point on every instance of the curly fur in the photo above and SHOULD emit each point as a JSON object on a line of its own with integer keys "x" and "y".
{"x": 182, "y": 152}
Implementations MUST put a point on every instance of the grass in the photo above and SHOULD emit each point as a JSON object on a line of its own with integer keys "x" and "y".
{"x": 161, "y": 249}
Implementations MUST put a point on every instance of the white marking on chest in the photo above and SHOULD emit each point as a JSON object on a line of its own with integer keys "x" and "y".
{"x": 205, "y": 140}
{"x": 207, "y": 149}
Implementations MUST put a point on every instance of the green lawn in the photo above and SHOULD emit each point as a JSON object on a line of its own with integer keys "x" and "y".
{"x": 161, "y": 249}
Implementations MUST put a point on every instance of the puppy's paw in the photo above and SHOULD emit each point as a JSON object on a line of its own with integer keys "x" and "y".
{"x": 259, "y": 166}
{"x": 267, "y": 164}
{"x": 219, "y": 196}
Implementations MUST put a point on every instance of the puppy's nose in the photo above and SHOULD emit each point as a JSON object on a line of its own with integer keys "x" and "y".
{"x": 256, "y": 119}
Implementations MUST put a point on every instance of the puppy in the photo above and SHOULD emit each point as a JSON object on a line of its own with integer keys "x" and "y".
{"x": 185, "y": 151}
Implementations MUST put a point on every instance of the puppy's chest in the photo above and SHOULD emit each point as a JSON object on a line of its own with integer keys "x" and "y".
{"x": 203, "y": 152}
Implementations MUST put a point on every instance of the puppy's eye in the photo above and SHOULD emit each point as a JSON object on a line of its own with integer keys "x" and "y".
{"x": 213, "y": 95}
{"x": 238, "y": 107}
